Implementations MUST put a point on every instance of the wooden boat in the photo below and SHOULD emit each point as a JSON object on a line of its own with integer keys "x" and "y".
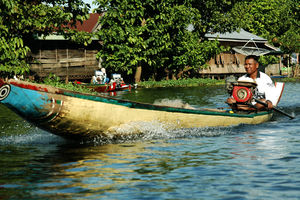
{"x": 107, "y": 87}
{"x": 72, "y": 114}
{"x": 123, "y": 87}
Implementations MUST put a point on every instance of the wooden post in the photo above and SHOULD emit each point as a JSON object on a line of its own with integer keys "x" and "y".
{"x": 85, "y": 69}
{"x": 280, "y": 63}
{"x": 41, "y": 65}
{"x": 138, "y": 74}
{"x": 67, "y": 75}
{"x": 297, "y": 64}
{"x": 288, "y": 65}
{"x": 56, "y": 60}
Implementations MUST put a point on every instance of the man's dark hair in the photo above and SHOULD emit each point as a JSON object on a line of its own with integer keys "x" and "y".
{"x": 252, "y": 57}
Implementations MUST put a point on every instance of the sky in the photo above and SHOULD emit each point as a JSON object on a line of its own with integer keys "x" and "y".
{"x": 89, "y": 2}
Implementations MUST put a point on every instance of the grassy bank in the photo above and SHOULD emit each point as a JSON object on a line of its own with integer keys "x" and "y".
{"x": 297, "y": 79}
{"x": 71, "y": 86}
{"x": 55, "y": 81}
{"x": 189, "y": 82}
{"x": 180, "y": 83}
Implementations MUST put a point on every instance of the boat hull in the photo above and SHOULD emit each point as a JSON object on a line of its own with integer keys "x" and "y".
{"x": 71, "y": 114}
{"x": 101, "y": 87}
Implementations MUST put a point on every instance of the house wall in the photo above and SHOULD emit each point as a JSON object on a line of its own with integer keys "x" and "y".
{"x": 273, "y": 69}
{"x": 64, "y": 59}
{"x": 231, "y": 63}
{"x": 71, "y": 61}
{"x": 225, "y": 64}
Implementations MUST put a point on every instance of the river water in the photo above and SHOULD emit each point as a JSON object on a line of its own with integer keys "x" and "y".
{"x": 240, "y": 162}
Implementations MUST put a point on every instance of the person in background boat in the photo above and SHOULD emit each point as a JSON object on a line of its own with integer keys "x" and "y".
{"x": 264, "y": 83}
{"x": 100, "y": 77}
{"x": 105, "y": 78}
{"x": 97, "y": 78}
{"x": 18, "y": 77}
{"x": 118, "y": 79}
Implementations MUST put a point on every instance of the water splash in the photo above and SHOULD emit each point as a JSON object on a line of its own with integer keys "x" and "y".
{"x": 35, "y": 136}
{"x": 178, "y": 103}
{"x": 156, "y": 130}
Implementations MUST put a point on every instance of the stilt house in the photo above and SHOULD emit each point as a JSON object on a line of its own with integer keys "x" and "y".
{"x": 68, "y": 60}
{"x": 232, "y": 61}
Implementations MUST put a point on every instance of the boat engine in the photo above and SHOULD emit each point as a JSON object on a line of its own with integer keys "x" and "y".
{"x": 117, "y": 79}
{"x": 243, "y": 91}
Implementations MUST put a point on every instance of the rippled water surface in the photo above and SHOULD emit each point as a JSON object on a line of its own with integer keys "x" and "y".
{"x": 241, "y": 162}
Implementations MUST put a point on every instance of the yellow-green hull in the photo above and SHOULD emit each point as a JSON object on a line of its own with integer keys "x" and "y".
{"x": 72, "y": 114}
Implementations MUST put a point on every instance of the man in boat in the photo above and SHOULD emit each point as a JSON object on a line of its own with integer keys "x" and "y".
{"x": 100, "y": 77}
{"x": 264, "y": 87}
{"x": 105, "y": 78}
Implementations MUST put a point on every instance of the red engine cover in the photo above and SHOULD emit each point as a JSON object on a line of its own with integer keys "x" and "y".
{"x": 241, "y": 94}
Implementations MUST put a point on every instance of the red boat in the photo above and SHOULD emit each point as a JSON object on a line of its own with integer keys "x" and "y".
{"x": 116, "y": 84}
{"x": 107, "y": 87}
{"x": 123, "y": 86}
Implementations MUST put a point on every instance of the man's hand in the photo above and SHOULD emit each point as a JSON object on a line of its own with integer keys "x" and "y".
{"x": 231, "y": 101}
{"x": 270, "y": 105}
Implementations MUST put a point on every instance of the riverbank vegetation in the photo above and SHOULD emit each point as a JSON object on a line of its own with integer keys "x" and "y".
{"x": 55, "y": 81}
{"x": 295, "y": 79}
{"x": 145, "y": 39}
{"x": 189, "y": 82}
{"x": 163, "y": 39}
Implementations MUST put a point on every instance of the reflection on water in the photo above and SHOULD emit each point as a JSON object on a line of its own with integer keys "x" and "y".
{"x": 212, "y": 167}
{"x": 242, "y": 162}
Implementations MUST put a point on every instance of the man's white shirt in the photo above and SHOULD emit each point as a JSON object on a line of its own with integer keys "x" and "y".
{"x": 265, "y": 87}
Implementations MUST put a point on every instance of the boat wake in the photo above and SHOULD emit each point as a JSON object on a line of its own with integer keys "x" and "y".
{"x": 178, "y": 103}
{"x": 154, "y": 130}
{"x": 34, "y": 137}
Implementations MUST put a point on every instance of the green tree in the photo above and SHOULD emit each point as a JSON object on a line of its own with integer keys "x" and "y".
{"x": 21, "y": 20}
{"x": 216, "y": 16}
{"x": 158, "y": 35}
{"x": 276, "y": 20}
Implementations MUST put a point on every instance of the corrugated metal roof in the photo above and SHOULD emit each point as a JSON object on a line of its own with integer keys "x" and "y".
{"x": 56, "y": 37}
{"x": 51, "y": 37}
{"x": 241, "y": 36}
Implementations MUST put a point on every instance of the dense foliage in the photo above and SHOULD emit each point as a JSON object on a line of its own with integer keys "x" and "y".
{"x": 160, "y": 35}
{"x": 276, "y": 20}
{"x": 55, "y": 81}
{"x": 21, "y": 20}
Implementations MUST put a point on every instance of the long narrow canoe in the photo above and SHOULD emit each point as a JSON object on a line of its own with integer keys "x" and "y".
{"x": 72, "y": 114}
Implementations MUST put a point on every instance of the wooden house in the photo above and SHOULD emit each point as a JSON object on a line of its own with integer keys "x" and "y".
{"x": 232, "y": 61}
{"x": 68, "y": 60}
